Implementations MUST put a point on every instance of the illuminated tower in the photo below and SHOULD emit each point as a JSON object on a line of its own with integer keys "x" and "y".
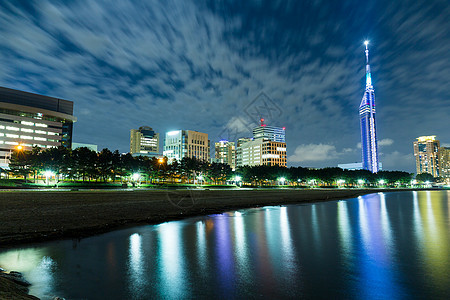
{"x": 369, "y": 144}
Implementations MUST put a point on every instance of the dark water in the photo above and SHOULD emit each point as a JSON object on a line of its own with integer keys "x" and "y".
{"x": 390, "y": 246}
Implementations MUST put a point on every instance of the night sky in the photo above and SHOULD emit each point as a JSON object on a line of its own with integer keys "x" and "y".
{"x": 217, "y": 66}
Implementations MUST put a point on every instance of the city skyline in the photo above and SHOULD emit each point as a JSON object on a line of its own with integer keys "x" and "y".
{"x": 200, "y": 65}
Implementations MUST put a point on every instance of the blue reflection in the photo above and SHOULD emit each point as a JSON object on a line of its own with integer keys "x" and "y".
{"x": 224, "y": 254}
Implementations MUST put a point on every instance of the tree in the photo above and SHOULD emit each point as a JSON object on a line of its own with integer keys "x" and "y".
{"x": 20, "y": 163}
{"x": 423, "y": 177}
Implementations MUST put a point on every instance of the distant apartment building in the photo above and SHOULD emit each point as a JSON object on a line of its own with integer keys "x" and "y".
{"x": 84, "y": 145}
{"x": 28, "y": 120}
{"x": 444, "y": 163}
{"x": 225, "y": 153}
{"x": 426, "y": 153}
{"x": 186, "y": 143}
{"x": 144, "y": 141}
{"x": 268, "y": 148}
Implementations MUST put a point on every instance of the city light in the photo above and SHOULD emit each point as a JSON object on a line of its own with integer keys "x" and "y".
{"x": 237, "y": 178}
{"x": 136, "y": 176}
{"x": 381, "y": 181}
{"x": 360, "y": 181}
{"x": 366, "y": 42}
{"x": 160, "y": 160}
{"x": 282, "y": 180}
{"x": 19, "y": 147}
{"x": 341, "y": 181}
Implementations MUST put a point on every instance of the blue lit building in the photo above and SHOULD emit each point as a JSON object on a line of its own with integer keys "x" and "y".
{"x": 369, "y": 144}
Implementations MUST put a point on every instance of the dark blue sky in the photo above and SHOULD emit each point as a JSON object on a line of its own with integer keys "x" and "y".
{"x": 201, "y": 65}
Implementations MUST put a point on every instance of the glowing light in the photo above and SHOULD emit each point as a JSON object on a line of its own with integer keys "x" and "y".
{"x": 160, "y": 160}
{"x": 200, "y": 177}
{"x": 19, "y": 147}
{"x": 381, "y": 181}
{"x": 173, "y": 132}
{"x": 366, "y": 43}
{"x": 49, "y": 173}
{"x": 237, "y": 178}
{"x": 341, "y": 181}
{"x": 360, "y": 181}
{"x": 136, "y": 176}
{"x": 282, "y": 180}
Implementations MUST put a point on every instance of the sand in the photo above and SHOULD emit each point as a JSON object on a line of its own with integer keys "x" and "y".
{"x": 33, "y": 216}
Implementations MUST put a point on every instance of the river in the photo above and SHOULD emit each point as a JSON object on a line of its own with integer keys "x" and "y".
{"x": 386, "y": 245}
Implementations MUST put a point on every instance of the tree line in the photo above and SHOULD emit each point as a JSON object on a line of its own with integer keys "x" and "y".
{"x": 87, "y": 165}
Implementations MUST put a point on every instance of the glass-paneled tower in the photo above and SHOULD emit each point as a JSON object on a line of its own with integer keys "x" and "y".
{"x": 369, "y": 144}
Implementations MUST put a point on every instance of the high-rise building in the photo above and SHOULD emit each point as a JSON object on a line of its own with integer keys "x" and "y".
{"x": 144, "y": 141}
{"x": 225, "y": 153}
{"x": 28, "y": 120}
{"x": 186, "y": 143}
{"x": 276, "y": 134}
{"x": 444, "y": 163}
{"x": 369, "y": 143}
{"x": 239, "y": 143}
{"x": 426, "y": 152}
{"x": 268, "y": 147}
{"x": 263, "y": 152}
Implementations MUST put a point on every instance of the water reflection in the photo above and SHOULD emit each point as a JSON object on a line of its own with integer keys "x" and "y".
{"x": 386, "y": 245}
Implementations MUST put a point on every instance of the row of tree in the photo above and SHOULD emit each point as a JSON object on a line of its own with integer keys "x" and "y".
{"x": 86, "y": 165}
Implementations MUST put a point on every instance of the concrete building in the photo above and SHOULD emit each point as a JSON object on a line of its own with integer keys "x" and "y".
{"x": 239, "y": 143}
{"x": 80, "y": 145}
{"x": 28, "y": 120}
{"x": 444, "y": 163}
{"x": 272, "y": 133}
{"x": 225, "y": 153}
{"x": 426, "y": 153}
{"x": 144, "y": 141}
{"x": 267, "y": 148}
{"x": 263, "y": 152}
{"x": 186, "y": 143}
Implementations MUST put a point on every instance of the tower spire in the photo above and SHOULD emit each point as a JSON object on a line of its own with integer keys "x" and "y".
{"x": 368, "y": 76}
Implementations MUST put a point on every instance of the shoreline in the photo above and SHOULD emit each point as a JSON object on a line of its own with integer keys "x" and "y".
{"x": 39, "y": 216}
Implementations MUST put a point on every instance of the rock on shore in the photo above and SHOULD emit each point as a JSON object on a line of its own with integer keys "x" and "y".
{"x": 14, "y": 286}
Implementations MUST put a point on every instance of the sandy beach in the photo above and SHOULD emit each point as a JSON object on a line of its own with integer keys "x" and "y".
{"x": 32, "y": 216}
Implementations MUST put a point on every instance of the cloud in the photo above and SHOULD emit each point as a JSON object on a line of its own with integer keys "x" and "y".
{"x": 385, "y": 142}
{"x": 185, "y": 64}
{"x": 381, "y": 143}
{"x": 313, "y": 153}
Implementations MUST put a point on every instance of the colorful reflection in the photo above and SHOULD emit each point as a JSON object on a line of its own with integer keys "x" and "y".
{"x": 379, "y": 246}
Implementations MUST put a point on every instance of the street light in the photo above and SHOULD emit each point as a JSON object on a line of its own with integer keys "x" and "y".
{"x": 381, "y": 182}
{"x": 340, "y": 181}
{"x": 282, "y": 180}
{"x": 48, "y": 174}
{"x": 360, "y": 181}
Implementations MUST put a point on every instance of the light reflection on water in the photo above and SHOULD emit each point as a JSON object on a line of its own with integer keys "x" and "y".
{"x": 386, "y": 245}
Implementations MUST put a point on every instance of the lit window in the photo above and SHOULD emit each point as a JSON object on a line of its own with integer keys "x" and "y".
{"x": 2, "y": 134}
{"x": 26, "y": 130}
{"x": 12, "y": 143}
{"x": 2, "y": 127}
{"x": 41, "y": 125}
{"x": 27, "y": 123}
{"x": 13, "y": 136}
{"x": 12, "y": 128}
{"x": 40, "y": 132}
{"x": 26, "y": 137}
{"x": 40, "y": 139}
